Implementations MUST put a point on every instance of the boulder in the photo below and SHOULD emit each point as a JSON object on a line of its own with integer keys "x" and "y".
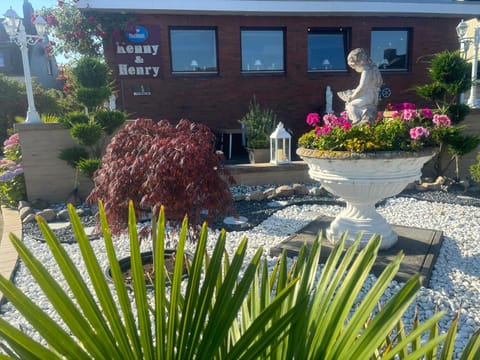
{"x": 48, "y": 214}
{"x": 284, "y": 191}
{"x": 256, "y": 196}
{"x": 25, "y": 211}
{"x": 300, "y": 189}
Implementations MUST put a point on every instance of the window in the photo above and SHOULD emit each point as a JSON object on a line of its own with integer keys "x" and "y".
{"x": 263, "y": 50}
{"x": 327, "y": 49}
{"x": 389, "y": 49}
{"x": 193, "y": 50}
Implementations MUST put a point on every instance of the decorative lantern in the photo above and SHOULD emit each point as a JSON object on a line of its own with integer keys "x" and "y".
{"x": 280, "y": 145}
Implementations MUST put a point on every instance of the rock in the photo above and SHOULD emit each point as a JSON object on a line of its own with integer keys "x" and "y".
{"x": 25, "y": 211}
{"x": 48, "y": 215}
{"x": 317, "y": 191}
{"x": 257, "y": 196}
{"x": 437, "y": 185}
{"x": 239, "y": 197}
{"x": 81, "y": 212}
{"x": 22, "y": 204}
{"x": 29, "y": 218}
{"x": 300, "y": 189}
{"x": 40, "y": 204}
{"x": 63, "y": 214}
{"x": 284, "y": 190}
{"x": 269, "y": 193}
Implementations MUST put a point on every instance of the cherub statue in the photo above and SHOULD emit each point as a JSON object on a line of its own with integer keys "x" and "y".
{"x": 361, "y": 102}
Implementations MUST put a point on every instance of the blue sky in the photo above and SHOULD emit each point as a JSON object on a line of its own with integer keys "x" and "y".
{"x": 17, "y": 5}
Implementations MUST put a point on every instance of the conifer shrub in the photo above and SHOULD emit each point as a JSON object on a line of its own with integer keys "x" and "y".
{"x": 156, "y": 164}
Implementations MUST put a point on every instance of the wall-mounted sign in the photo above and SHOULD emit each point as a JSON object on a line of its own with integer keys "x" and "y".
{"x": 140, "y": 34}
{"x": 138, "y": 54}
{"x": 141, "y": 90}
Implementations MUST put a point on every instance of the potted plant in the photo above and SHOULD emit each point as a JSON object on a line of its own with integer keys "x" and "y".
{"x": 366, "y": 163}
{"x": 258, "y": 123}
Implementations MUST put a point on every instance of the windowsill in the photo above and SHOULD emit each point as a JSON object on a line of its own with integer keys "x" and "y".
{"x": 195, "y": 73}
{"x": 254, "y": 73}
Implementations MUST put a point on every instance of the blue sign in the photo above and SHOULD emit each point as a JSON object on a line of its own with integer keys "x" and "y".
{"x": 141, "y": 34}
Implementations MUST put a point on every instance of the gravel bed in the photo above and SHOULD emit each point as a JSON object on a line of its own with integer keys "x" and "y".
{"x": 454, "y": 285}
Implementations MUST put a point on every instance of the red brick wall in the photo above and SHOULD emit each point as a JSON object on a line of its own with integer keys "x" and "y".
{"x": 219, "y": 101}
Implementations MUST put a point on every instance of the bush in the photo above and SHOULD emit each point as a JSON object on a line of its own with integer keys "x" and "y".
{"x": 88, "y": 166}
{"x": 90, "y": 72}
{"x": 226, "y": 309}
{"x": 159, "y": 163}
{"x": 86, "y": 134}
{"x": 475, "y": 170}
{"x": 73, "y": 155}
{"x": 12, "y": 180}
{"x": 75, "y": 117}
{"x": 109, "y": 120}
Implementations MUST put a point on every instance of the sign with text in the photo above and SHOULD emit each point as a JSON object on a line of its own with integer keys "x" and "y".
{"x": 137, "y": 54}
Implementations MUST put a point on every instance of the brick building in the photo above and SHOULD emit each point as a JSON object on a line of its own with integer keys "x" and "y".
{"x": 204, "y": 60}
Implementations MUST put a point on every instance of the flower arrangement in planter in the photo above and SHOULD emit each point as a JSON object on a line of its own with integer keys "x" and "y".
{"x": 367, "y": 162}
{"x": 403, "y": 129}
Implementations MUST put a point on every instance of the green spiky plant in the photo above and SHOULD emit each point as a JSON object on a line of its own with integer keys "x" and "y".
{"x": 228, "y": 309}
{"x": 450, "y": 77}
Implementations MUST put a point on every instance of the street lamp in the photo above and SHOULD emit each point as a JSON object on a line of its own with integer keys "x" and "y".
{"x": 465, "y": 43}
{"x": 16, "y": 31}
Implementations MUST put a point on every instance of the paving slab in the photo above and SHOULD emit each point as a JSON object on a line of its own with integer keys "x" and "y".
{"x": 420, "y": 246}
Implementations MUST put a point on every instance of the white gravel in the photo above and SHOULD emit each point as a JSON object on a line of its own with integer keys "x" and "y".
{"x": 455, "y": 282}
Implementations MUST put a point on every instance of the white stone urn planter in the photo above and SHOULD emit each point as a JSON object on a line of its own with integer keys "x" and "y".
{"x": 362, "y": 180}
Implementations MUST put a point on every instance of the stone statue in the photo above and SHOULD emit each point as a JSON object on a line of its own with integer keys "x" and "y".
{"x": 361, "y": 102}
{"x": 328, "y": 100}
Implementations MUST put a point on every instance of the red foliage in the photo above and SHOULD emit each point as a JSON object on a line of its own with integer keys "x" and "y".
{"x": 156, "y": 164}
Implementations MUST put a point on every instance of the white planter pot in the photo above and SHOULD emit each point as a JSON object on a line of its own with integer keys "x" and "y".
{"x": 362, "y": 180}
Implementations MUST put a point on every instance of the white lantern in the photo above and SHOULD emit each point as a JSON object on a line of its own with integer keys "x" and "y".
{"x": 280, "y": 145}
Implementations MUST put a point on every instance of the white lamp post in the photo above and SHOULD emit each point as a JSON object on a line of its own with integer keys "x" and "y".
{"x": 16, "y": 31}
{"x": 465, "y": 43}
{"x": 280, "y": 143}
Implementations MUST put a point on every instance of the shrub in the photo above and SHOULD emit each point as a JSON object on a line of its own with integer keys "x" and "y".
{"x": 86, "y": 134}
{"x": 159, "y": 163}
{"x": 73, "y": 155}
{"x": 228, "y": 309}
{"x": 88, "y": 166}
{"x": 90, "y": 72}
{"x": 475, "y": 170}
{"x": 12, "y": 180}
{"x": 74, "y": 117}
{"x": 109, "y": 120}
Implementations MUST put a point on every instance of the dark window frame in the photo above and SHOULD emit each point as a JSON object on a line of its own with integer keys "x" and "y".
{"x": 347, "y": 38}
{"x": 265, "y": 72}
{"x": 408, "y": 56}
{"x": 193, "y": 72}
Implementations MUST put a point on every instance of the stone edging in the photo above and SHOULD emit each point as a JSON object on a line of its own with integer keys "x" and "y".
{"x": 8, "y": 255}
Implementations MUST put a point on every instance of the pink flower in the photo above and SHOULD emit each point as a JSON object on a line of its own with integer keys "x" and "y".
{"x": 344, "y": 115}
{"x": 441, "y": 120}
{"x": 409, "y": 114}
{"x": 347, "y": 125}
{"x": 418, "y": 132}
{"x": 427, "y": 113}
{"x": 313, "y": 118}
{"x": 396, "y": 114}
{"x": 327, "y": 129}
{"x": 329, "y": 119}
{"x": 12, "y": 141}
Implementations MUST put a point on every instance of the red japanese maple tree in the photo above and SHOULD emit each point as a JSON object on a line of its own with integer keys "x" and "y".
{"x": 157, "y": 163}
